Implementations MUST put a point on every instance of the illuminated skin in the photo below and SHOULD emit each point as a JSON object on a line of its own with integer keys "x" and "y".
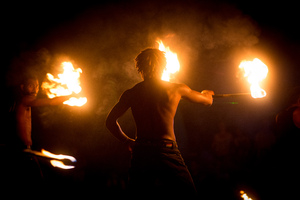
{"x": 23, "y": 109}
{"x": 153, "y": 103}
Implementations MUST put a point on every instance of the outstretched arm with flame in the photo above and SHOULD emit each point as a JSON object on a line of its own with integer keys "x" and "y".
{"x": 204, "y": 97}
{"x": 35, "y": 102}
{"x": 173, "y": 66}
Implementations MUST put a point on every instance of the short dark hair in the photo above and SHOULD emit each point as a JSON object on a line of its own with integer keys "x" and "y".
{"x": 151, "y": 63}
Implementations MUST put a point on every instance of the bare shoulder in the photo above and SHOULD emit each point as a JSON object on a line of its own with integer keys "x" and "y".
{"x": 182, "y": 88}
{"x": 130, "y": 93}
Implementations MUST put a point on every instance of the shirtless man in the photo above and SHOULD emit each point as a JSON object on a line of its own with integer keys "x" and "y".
{"x": 156, "y": 166}
{"x": 29, "y": 90}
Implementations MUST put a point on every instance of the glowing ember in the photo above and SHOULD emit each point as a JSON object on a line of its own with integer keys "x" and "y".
{"x": 244, "y": 195}
{"x": 66, "y": 83}
{"x": 56, "y": 163}
{"x": 255, "y": 71}
{"x": 173, "y": 65}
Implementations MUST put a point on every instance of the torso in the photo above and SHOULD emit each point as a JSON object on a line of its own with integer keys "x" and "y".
{"x": 154, "y": 105}
{"x": 23, "y": 114}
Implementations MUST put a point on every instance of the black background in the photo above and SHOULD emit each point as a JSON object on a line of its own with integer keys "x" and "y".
{"x": 210, "y": 38}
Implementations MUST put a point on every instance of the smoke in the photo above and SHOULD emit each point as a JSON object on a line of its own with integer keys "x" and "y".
{"x": 28, "y": 63}
{"x": 104, "y": 40}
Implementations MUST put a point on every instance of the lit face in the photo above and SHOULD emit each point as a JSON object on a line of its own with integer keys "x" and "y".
{"x": 31, "y": 87}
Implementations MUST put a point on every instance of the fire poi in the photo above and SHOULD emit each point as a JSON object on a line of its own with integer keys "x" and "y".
{"x": 54, "y": 158}
{"x": 255, "y": 71}
{"x": 66, "y": 83}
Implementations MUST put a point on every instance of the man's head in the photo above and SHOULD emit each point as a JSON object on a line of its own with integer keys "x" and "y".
{"x": 30, "y": 86}
{"x": 151, "y": 63}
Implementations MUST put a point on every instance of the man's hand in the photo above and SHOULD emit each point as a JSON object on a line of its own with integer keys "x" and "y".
{"x": 208, "y": 92}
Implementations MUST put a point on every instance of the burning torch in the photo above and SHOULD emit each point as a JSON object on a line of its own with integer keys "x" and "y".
{"x": 54, "y": 158}
{"x": 255, "y": 71}
{"x": 67, "y": 83}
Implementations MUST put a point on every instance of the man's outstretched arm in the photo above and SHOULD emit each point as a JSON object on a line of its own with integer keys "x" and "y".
{"x": 204, "y": 97}
{"x": 35, "y": 102}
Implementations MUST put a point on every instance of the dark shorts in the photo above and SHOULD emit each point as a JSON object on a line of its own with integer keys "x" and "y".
{"x": 157, "y": 168}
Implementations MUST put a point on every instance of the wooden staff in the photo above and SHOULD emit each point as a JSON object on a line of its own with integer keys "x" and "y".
{"x": 231, "y": 95}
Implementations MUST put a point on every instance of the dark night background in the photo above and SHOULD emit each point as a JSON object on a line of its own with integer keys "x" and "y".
{"x": 210, "y": 39}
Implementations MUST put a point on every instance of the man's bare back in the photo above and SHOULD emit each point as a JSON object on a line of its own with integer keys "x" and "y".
{"x": 153, "y": 103}
{"x": 23, "y": 115}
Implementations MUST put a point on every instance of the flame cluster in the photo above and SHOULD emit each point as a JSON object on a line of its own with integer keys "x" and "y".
{"x": 173, "y": 64}
{"x": 255, "y": 71}
{"x": 244, "y": 195}
{"x": 66, "y": 84}
{"x": 57, "y": 163}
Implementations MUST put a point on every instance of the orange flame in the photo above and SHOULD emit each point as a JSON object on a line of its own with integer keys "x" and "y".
{"x": 255, "y": 71}
{"x": 66, "y": 83}
{"x": 59, "y": 157}
{"x": 244, "y": 195}
{"x": 59, "y": 164}
{"x": 173, "y": 64}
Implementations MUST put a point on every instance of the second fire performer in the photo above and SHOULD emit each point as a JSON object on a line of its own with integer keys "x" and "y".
{"x": 157, "y": 166}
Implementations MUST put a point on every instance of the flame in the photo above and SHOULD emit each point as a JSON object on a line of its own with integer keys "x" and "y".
{"x": 244, "y": 195}
{"x": 76, "y": 101}
{"x": 56, "y": 163}
{"x": 173, "y": 65}
{"x": 59, "y": 157}
{"x": 66, "y": 83}
{"x": 255, "y": 71}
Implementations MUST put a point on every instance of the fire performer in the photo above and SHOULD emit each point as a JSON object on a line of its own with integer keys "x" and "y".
{"x": 156, "y": 166}
{"x": 24, "y": 167}
{"x": 29, "y": 89}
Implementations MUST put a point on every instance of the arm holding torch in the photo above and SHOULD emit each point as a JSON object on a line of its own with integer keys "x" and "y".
{"x": 32, "y": 101}
{"x": 205, "y": 97}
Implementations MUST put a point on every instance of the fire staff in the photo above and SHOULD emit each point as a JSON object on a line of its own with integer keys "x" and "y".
{"x": 156, "y": 166}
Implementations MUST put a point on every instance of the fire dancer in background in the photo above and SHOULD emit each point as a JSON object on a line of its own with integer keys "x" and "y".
{"x": 29, "y": 89}
{"x": 21, "y": 168}
{"x": 286, "y": 153}
{"x": 156, "y": 166}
